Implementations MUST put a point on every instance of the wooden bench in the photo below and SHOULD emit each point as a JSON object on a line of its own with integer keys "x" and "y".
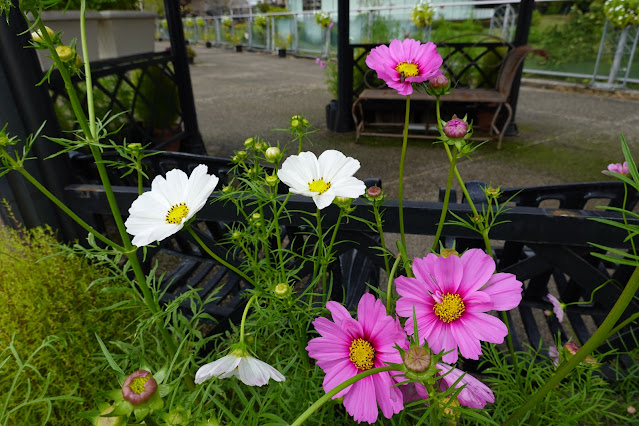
{"x": 499, "y": 96}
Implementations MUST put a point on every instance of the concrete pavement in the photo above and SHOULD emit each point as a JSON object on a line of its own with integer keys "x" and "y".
{"x": 567, "y": 133}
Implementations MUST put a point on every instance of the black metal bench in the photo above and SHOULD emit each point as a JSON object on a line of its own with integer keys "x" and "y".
{"x": 490, "y": 90}
{"x": 541, "y": 246}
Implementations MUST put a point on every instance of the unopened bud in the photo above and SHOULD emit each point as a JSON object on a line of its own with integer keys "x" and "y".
{"x": 456, "y": 128}
{"x": 37, "y": 35}
{"x": 417, "y": 359}
{"x": 374, "y": 191}
{"x": 272, "y": 180}
{"x": 227, "y": 189}
{"x": 249, "y": 142}
{"x": 272, "y": 154}
{"x": 492, "y": 192}
{"x": 343, "y": 202}
{"x": 64, "y": 52}
{"x": 438, "y": 82}
{"x": 282, "y": 290}
{"x": 236, "y": 235}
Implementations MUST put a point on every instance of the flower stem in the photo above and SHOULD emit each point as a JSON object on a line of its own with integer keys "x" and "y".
{"x": 244, "y": 314}
{"x": 218, "y": 258}
{"x": 625, "y": 220}
{"x": 594, "y": 342}
{"x": 325, "y": 398}
{"x": 442, "y": 218}
{"x": 402, "y": 160}
{"x": 55, "y": 200}
{"x": 380, "y": 231}
{"x": 389, "y": 288}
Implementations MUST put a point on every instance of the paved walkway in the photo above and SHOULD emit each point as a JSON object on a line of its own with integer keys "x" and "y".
{"x": 564, "y": 135}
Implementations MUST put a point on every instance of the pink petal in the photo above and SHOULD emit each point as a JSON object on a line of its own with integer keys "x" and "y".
{"x": 477, "y": 267}
{"x": 388, "y": 396}
{"x": 448, "y": 273}
{"x": 360, "y": 401}
{"x": 505, "y": 291}
{"x": 484, "y": 327}
{"x": 338, "y": 375}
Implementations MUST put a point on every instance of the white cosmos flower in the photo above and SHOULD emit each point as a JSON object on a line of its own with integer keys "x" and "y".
{"x": 323, "y": 178}
{"x": 171, "y": 202}
{"x": 251, "y": 371}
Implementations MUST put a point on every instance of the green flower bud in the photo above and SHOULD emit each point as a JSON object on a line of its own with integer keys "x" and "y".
{"x": 272, "y": 154}
{"x": 282, "y": 290}
{"x": 249, "y": 142}
{"x": 37, "y": 35}
{"x": 272, "y": 180}
{"x": 227, "y": 189}
{"x": 64, "y": 52}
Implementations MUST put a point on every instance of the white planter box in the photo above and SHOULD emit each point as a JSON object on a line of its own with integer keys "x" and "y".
{"x": 110, "y": 33}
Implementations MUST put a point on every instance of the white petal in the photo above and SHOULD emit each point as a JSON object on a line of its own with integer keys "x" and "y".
{"x": 323, "y": 200}
{"x": 217, "y": 368}
{"x": 200, "y": 187}
{"x": 334, "y": 164}
{"x": 298, "y": 171}
{"x": 254, "y": 372}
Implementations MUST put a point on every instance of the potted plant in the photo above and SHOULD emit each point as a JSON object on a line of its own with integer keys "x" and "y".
{"x": 282, "y": 43}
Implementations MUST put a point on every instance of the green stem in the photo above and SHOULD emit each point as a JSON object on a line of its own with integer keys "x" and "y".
{"x": 244, "y": 315}
{"x": 511, "y": 347}
{"x": 278, "y": 236}
{"x": 325, "y": 398}
{"x": 87, "y": 71}
{"x": 218, "y": 258}
{"x": 594, "y": 342}
{"x": 402, "y": 160}
{"x": 389, "y": 288}
{"x": 380, "y": 231}
{"x": 627, "y": 321}
{"x": 623, "y": 214}
{"x": 55, "y": 200}
{"x": 442, "y": 217}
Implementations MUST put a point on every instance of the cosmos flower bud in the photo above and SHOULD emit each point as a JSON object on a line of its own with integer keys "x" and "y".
{"x": 227, "y": 189}
{"x": 272, "y": 180}
{"x": 456, "y": 128}
{"x": 273, "y": 154}
{"x": 416, "y": 359}
{"x": 249, "y": 142}
{"x": 37, "y": 35}
{"x": 374, "y": 192}
{"x": 139, "y": 387}
{"x": 282, "y": 290}
{"x": 492, "y": 192}
{"x": 438, "y": 85}
{"x": 343, "y": 202}
{"x": 64, "y": 52}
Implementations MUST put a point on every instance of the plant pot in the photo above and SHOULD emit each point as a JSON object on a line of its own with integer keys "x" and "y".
{"x": 238, "y": 48}
{"x": 209, "y": 44}
{"x": 331, "y": 115}
{"x": 281, "y": 53}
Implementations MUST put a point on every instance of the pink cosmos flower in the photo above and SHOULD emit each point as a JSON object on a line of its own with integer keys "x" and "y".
{"x": 554, "y": 354}
{"x": 619, "y": 168}
{"x": 405, "y": 62}
{"x": 451, "y": 296}
{"x": 348, "y": 346}
{"x": 475, "y": 394}
{"x": 456, "y": 128}
{"x": 557, "y": 307}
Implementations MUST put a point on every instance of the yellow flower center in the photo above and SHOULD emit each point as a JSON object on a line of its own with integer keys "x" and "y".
{"x": 177, "y": 213}
{"x": 362, "y": 354}
{"x": 407, "y": 69}
{"x": 319, "y": 186}
{"x": 450, "y": 308}
{"x": 137, "y": 385}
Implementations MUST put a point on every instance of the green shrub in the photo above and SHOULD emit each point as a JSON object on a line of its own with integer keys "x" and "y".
{"x": 43, "y": 296}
